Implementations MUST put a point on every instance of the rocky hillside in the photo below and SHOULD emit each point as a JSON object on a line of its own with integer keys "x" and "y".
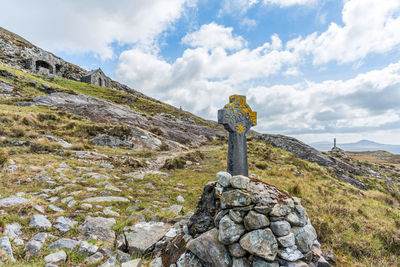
{"x": 94, "y": 176}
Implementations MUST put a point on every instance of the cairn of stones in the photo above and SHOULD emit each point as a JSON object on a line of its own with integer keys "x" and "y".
{"x": 245, "y": 222}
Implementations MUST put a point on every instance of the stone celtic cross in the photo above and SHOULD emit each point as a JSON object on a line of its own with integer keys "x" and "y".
{"x": 237, "y": 118}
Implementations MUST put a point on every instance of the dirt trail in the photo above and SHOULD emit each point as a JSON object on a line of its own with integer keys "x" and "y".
{"x": 154, "y": 165}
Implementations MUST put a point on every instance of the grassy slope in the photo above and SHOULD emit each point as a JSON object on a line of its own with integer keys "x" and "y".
{"x": 361, "y": 227}
{"x": 28, "y": 90}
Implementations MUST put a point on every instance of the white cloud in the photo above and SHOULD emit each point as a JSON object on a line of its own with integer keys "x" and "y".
{"x": 368, "y": 102}
{"x": 370, "y": 26}
{"x": 212, "y": 35}
{"x": 205, "y": 75}
{"x": 91, "y": 25}
{"x": 286, "y": 3}
{"x": 242, "y": 6}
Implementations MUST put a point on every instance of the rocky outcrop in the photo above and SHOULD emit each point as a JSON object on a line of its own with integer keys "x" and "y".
{"x": 17, "y": 52}
{"x": 174, "y": 133}
{"x": 245, "y": 222}
{"x": 343, "y": 170}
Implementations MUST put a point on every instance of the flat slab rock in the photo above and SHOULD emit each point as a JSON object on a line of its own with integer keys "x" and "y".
{"x": 12, "y": 201}
{"x": 143, "y": 235}
{"x": 106, "y": 199}
{"x": 98, "y": 228}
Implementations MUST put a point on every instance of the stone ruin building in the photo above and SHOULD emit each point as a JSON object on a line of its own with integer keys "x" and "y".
{"x": 96, "y": 77}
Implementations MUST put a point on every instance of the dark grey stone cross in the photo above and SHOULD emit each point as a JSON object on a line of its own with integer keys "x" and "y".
{"x": 237, "y": 118}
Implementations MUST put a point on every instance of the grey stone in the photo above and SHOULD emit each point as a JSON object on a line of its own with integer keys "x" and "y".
{"x": 259, "y": 262}
{"x": 122, "y": 256}
{"x": 5, "y": 245}
{"x": 39, "y": 221}
{"x": 305, "y": 237}
{"x": 237, "y": 118}
{"x": 55, "y": 208}
{"x": 280, "y": 228}
{"x": 209, "y": 249}
{"x": 12, "y": 201}
{"x": 111, "y": 141}
{"x": 254, "y": 220}
{"x": 144, "y": 235}
{"x": 110, "y": 262}
{"x": 107, "y": 251}
{"x": 63, "y": 243}
{"x": 13, "y": 230}
{"x": 235, "y": 198}
{"x": 64, "y": 224}
{"x": 286, "y": 241}
{"x": 35, "y": 244}
{"x": 290, "y": 253}
{"x": 240, "y": 182}
{"x": 157, "y": 262}
{"x": 229, "y": 231}
{"x": 235, "y": 216}
{"x": 98, "y": 228}
{"x": 240, "y": 262}
{"x": 188, "y": 260}
{"x": 106, "y": 199}
{"x": 224, "y": 179}
{"x": 263, "y": 209}
{"x": 132, "y": 263}
{"x": 236, "y": 250}
{"x": 180, "y": 199}
{"x": 39, "y": 208}
{"x": 98, "y": 256}
{"x": 50, "y": 265}
{"x": 176, "y": 209}
{"x": 261, "y": 243}
{"x": 297, "y": 264}
{"x": 302, "y": 214}
{"x": 11, "y": 168}
{"x": 293, "y": 219}
{"x": 279, "y": 210}
{"x": 56, "y": 257}
{"x": 87, "y": 249}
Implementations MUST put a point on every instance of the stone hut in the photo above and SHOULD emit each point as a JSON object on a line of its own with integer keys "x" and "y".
{"x": 96, "y": 77}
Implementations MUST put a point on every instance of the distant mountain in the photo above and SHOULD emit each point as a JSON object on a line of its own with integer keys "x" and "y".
{"x": 362, "y": 145}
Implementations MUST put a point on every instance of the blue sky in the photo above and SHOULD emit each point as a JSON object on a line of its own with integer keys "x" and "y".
{"x": 312, "y": 69}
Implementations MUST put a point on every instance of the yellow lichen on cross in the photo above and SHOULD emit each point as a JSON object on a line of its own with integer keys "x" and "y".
{"x": 239, "y": 101}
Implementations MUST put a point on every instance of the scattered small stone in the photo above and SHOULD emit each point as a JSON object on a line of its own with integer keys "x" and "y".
{"x": 180, "y": 199}
{"x": 109, "y": 212}
{"x": 110, "y": 262}
{"x": 98, "y": 228}
{"x": 56, "y": 257}
{"x": 39, "y": 208}
{"x": 63, "y": 243}
{"x": 176, "y": 209}
{"x": 98, "y": 256}
{"x": 122, "y": 256}
{"x": 39, "y": 221}
{"x": 5, "y": 245}
{"x": 13, "y": 230}
{"x": 71, "y": 203}
{"x": 64, "y": 224}
{"x": 55, "y": 208}
{"x": 11, "y": 168}
{"x": 87, "y": 249}
{"x": 132, "y": 263}
{"x": 106, "y": 199}
{"x": 67, "y": 199}
{"x": 35, "y": 244}
{"x": 12, "y": 201}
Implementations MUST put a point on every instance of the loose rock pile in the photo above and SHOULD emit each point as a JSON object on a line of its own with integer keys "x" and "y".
{"x": 245, "y": 222}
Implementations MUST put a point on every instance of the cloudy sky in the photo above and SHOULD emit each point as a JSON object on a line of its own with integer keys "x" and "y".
{"x": 312, "y": 69}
